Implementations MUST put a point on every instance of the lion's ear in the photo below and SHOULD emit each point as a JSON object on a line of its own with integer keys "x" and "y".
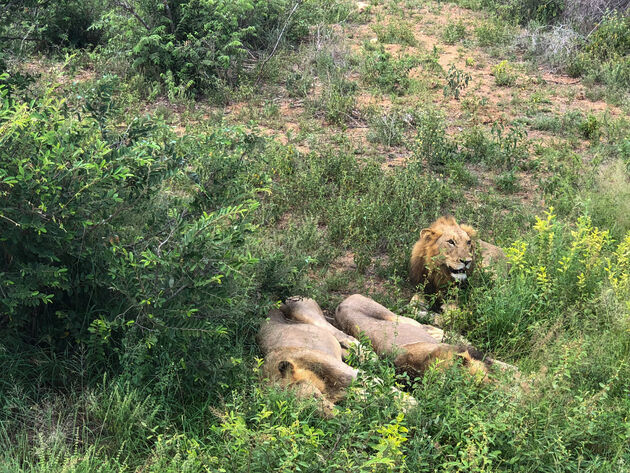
{"x": 426, "y": 233}
{"x": 472, "y": 233}
{"x": 286, "y": 368}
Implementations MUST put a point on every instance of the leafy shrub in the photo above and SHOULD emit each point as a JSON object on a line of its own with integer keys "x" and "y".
{"x": 456, "y": 80}
{"x": 454, "y": 32}
{"x": 501, "y": 149}
{"x": 28, "y": 23}
{"x": 495, "y": 32}
{"x": 390, "y": 75}
{"x": 432, "y": 143}
{"x": 611, "y": 39}
{"x": 97, "y": 252}
{"x": 542, "y": 11}
{"x": 556, "y": 271}
{"x": 605, "y": 56}
{"x": 508, "y": 182}
{"x": 504, "y": 74}
{"x": 196, "y": 43}
{"x": 590, "y": 127}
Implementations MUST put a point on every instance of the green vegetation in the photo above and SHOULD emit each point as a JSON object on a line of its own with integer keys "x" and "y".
{"x": 456, "y": 80}
{"x": 504, "y": 74}
{"x": 171, "y": 170}
{"x": 389, "y": 74}
{"x": 454, "y": 32}
{"x": 398, "y": 32}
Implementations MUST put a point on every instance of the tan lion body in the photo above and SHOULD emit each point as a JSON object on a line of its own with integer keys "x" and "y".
{"x": 303, "y": 351}
{"x": 414, "y": 345}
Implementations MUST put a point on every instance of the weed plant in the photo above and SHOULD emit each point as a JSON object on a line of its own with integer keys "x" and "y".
{"x": 395, "y": 33}
{"x": 390, "y": 75}
{"x": 454, "y": 32}
{"x": 504, "y": 74}
{"x": 456, "y": 80}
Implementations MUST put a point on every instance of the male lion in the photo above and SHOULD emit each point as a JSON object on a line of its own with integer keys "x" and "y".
{"x": 444, "y": 253}
{"x": 414, "y": 345}
{"x": 303, "y": 351}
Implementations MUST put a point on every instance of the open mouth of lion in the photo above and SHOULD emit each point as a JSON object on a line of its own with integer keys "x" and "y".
{"x": 458, "y": 274}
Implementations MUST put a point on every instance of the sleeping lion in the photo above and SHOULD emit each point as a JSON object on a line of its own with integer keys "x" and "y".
{"x": 414, "y": 346}
{"x": 304, "y": 352}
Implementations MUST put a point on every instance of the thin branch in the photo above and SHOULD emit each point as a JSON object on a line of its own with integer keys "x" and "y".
{"x": 13, "y": 222}
{"x": 125, "y": 6}
{"x": 12, "y": 38}
{"x": 273, "y": 51}
{"x": 170, "y": 16}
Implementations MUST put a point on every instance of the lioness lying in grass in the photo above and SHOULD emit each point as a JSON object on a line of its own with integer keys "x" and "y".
{"x": 414, "y": 345}
{"x": 303, "y": 351}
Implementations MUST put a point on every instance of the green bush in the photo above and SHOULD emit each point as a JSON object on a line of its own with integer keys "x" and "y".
{"x": 390, "y": 75}
{"x": 97, "y": 251}
{"x": 562, "y": 273}
{"x": 542, "y": 11}
{"x": 199, "y": 44}
{"x": 456, "y": 81}
{"x": 502, "y": 148}
{"x": 432, "y": 143}
{"x": 605, "y": 57}
{"x": 44, "y": 25}
{"x": 454, "y": 32}
{"x": 495, "y": 32}
{"x": 338, "y": 100}
{"x": 504, "y": 74}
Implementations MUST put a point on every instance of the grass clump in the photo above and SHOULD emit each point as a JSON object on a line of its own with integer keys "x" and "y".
{"x": 454, "y": 32}
{"x": 504, "y": 74}
{"x": 399, "y": 32}
{"x": 390, "y": 75}
{"x": 338, "y": 100}
{"x": 387, "y": 128}
{"x": 495, "y": 32}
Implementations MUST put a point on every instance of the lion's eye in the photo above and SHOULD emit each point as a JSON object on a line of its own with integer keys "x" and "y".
{"x": 469, "y": 242}
{"x": 451, "y": 242}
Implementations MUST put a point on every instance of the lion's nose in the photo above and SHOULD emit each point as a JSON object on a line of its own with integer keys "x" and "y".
{"x": 466, "y": 261}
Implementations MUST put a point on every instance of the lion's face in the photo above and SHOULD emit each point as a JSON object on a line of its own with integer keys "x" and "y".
{"x": 454, "y": 256}
{"x": 444, "y": 253}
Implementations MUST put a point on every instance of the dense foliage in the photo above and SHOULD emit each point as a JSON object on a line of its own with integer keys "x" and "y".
{"x": 146, "y": 229}
{"x": 97, "y": 252}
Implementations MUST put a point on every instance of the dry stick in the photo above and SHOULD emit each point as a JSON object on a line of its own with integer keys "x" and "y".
{"x": 273, "y": 51}
{"x": 11, "y": 38}
{"x": 170, "y": 16}
{"x": 129, "y": 8}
